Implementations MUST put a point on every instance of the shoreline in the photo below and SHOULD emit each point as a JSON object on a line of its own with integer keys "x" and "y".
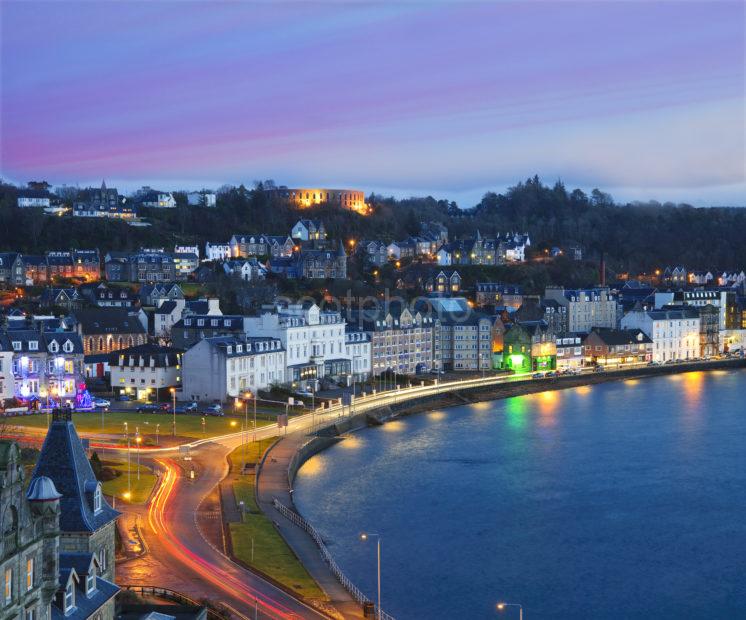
{"x": 306, "y": 446}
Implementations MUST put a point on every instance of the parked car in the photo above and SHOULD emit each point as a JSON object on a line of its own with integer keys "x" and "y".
{"x": 215, "y": 409}
{"x": 538, "y": 375}
{"x": 101, "y": 403}
{"x": 123, "y": 398}
{"x": 149, "y": 408}
{"x": 551, "y": 373}
{"x": 191, "y": 407}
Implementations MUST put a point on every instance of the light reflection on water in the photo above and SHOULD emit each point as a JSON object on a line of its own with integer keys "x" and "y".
{"x": 617, "y": 502}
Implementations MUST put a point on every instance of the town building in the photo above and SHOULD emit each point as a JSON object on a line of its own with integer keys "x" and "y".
{"x": 155, "y": 199}
{"x": 675, "y": 332}
{"x": 530, "y": 346}
{"x": 586, "y": 308}
{"x": 709, "y": 331}
{"x": 104, "y": 330}
{"x": 103, "y": 202}
{"x": 358, "y": 351}
{"x": 33, "y": 198}
{"x": 152, "y": 265}
{"x": 402, "y": 340}
{"x": 202, "y": 199}
{"x": 105, "y": 296}
{"x": 376, "y": 252}
{"x": 308, "y": 197}
{"x": 189, "y": 330}
{"x": 314, "y": 341}
{"x": 569, "y": 351}
{"x": 308, "y": 230}
{"x": 608, "y": 347}
{"x": 498, "y": 294}
{"x": 12, "y": 268}
{"x": 185, "y": 264}
{"x": 313, "y": 264}
{"x": 146, "y": 369}
{"x": 45, "y": 365}
{"x": 217, "y": 251}
{"x": 226, "y": 367}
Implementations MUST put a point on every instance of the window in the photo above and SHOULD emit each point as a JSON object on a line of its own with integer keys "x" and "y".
{"x": 8, "y": 590}
{"x": 69, "y": 596}
{"x": 31, "y": 613}
{"x": 16, "y": 345}
{"x": 97, "y": 499}
{"x": 90, "y": 582}
{"x": 29, "y": 574}
{"x": 33, "y": 345}
{"x": 54, "y": 347}
{"x": 102, "y": 559}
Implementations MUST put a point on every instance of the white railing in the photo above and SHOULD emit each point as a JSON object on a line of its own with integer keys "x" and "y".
{"x": 354, "y": 591}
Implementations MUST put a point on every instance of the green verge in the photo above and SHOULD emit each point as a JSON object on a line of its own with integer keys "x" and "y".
{"x": 272, "y": 555}
{"x": 186, "y": 425}
{"x": 118, "y": 487}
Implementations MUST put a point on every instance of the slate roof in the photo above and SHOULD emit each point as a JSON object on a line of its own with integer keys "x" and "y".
{"x": 108, "y": 321}
{"x": 167, "y": 307}
{"x": 621, "y": 336}
{"x": 162, "y": 357}
{"x": 63, "y": 460}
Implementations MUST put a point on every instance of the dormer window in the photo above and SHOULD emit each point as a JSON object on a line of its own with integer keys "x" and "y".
{"x": 97, "y": 499}
{"x": 229, "y": 349}
{"x": 67, "y": 347}
{"x": 239, "y": 348}
{"x": 16, "y": 345}
{"x": 54, "y": 347}
{"x": 33, "y": 345}
{"x": 69, "y": 602}
{"x": 90, "y": 582}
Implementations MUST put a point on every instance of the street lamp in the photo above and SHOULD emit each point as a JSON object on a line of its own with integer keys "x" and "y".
{"x": 138, "y": 439}
{"x": 157, "y": 430}
{"x": 203, "y": 425}
{"x": 502, "y": 606}
{"x": 173, "y": 409}
{"x": 364, "y": 537}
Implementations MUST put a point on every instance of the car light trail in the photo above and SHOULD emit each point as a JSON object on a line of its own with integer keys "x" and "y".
{"x": 208, "y": 571}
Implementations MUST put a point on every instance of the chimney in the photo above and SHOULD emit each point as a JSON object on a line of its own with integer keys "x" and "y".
{"x": 602, "y": 269}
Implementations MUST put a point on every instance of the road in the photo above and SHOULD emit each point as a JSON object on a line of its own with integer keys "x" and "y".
{"x": 181, "y": 558}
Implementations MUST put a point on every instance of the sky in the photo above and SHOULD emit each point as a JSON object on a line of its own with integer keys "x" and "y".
{"x": 643, "y": 99}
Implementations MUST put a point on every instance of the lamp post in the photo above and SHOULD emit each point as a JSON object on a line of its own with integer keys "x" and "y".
{"x": 502, "y": 606}
{"x": 173, "y": 409}
{"x": 203, "y": 425}
{"x": 365, "y": 536}
{"x": 138, "y": 439}
{"x": 157, "y": 430}
{"x": 129, "y": 472}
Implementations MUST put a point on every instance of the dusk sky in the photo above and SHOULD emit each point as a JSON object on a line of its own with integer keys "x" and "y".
{"x": 642, "y": 99}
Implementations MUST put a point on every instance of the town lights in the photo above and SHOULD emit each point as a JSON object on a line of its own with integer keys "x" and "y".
{"x": 503, "y": 606}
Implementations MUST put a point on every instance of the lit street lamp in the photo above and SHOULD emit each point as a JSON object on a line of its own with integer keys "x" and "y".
{"x": 157, "y": 430}
{"x": 173, "y": 395}
{"x": 502, "y": 606}
{"x": 138, "y": 439}
{"x": 365, "y": 536}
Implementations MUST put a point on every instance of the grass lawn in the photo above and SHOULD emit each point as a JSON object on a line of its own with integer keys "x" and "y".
{"x": 186, "y": 425}
{"x": 271, "y": 555}
{"x": 140, "y": 489}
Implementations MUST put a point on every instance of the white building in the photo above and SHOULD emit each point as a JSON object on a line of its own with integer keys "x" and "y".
{"x": 33, "y": 198}
{"x": 186, "y": 249}
{"x": 314, "y": 341}
{"x": 201, "y": 199}
{"x": 675, "y": 333}
{"x": 156, "y": 199}
{"x": 217, "y": 251}
{"x": 586, "y": 308}
{"x": 146, "y": 369}
{"x": 358, "y": 350}
{"x": 226, "y": 367}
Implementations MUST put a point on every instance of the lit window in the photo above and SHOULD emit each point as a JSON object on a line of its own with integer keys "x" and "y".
{"x": 8, "y": 585}
{"x": 29, "y": 573}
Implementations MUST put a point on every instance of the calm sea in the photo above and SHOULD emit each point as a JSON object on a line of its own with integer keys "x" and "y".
{"x": 621, "y": 500}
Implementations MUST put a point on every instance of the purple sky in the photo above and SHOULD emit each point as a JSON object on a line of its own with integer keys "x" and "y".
{"x": 643, "y": 99}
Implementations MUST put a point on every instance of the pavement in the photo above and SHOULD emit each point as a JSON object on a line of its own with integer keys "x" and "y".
{"x": 273, "y": 483}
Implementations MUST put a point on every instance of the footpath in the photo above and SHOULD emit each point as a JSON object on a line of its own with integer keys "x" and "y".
{"x": 272, "y": 482}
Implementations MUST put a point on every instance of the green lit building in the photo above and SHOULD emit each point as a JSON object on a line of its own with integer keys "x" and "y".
{"x": 529, "y": 346}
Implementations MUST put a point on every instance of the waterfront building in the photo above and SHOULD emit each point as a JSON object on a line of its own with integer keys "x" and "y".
{"x": 359, "y": 351}
{"x": 709, "y": 331}
{"x": 614, "y": 347}
{"x": 569, "y": 351}
{"x": 586, "y": 308}
{"x": 529, "y": 346}
{"x": 224, "y": 367}
{"x": 314, "y": 341}
{"x": 401, "y": 340}
{"x": 675, "y": 332}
